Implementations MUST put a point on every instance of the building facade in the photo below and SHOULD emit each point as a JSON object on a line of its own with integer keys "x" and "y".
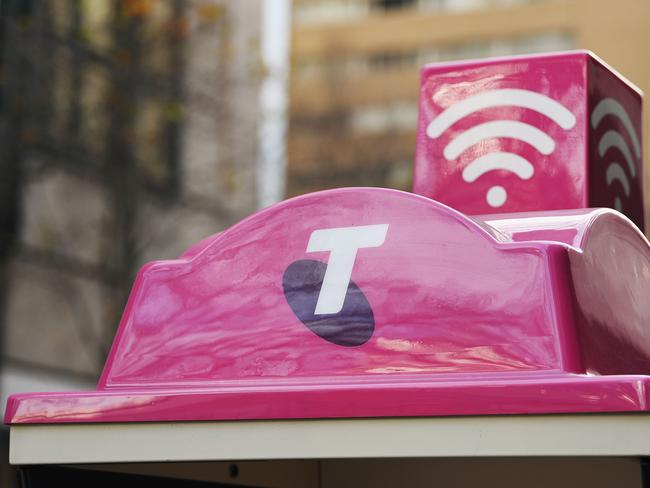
{"x": 355, "y": 70}
{"x": 129, "y": 133}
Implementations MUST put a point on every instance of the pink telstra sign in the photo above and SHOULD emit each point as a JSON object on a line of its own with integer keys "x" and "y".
{"x": 367, "y": 302}
{"x": 544, "y": 132}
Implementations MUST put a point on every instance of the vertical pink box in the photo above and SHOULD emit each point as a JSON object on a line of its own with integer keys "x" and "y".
{"x": 542, "y": 132}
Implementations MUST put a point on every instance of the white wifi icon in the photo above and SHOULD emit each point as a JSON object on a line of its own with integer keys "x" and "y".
{"x": 614, "y": 139}
{"x": 515, "y": 163}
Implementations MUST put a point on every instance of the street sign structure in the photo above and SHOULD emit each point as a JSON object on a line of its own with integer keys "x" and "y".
{"x": 373, "y": 337}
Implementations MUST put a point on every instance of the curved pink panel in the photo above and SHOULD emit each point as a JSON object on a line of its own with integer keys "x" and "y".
{"x": 612, "y": 287}
{"x": 610, "y": 272}
{"x": 443, "y": 294}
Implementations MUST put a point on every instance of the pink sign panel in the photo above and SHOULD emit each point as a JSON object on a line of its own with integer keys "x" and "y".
{"x": 373, "y": 302}
{"x": 543, "y": 132}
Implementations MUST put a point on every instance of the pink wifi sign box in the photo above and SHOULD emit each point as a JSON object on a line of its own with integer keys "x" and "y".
{"x": 544, "y": 132}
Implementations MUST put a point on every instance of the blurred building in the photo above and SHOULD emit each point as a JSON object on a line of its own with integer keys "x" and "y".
{"x": 355, "y": 70}
{"x": 129, "y": 131}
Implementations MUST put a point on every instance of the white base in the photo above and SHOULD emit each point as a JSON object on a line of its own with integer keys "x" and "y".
{"x": 525, "y": 435}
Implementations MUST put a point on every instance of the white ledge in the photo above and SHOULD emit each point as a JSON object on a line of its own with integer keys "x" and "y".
{"x": 525, "y": 435}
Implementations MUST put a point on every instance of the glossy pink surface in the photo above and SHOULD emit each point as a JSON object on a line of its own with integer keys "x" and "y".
{"x": 610, "y": 268}
{"x": 444, "y": 315}
{"x": 526, "y": 133}
{"x": 223, "y": 314}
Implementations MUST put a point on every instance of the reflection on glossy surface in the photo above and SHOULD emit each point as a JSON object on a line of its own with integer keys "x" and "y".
{"x": 486, "y": 395}
{"x": 446, "y": 315}
{"x": 567, "y": 226}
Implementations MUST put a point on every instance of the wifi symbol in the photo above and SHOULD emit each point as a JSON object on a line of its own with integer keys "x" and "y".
{"x": 613, "y": 139}
{"x": 514, "y": 163}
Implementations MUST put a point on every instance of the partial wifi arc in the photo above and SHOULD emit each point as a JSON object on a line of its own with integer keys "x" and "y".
{"x": 498, "y": 161}
{"x": 496, "y": 129}
{"x": 499, "y": 98}
{"x": 613, "y": 139}
{"x": 615, "y": 172}
{"x": 609, "y": 106}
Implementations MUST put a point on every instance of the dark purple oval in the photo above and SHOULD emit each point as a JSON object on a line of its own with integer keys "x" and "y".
{"x": 350, "y": 327}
